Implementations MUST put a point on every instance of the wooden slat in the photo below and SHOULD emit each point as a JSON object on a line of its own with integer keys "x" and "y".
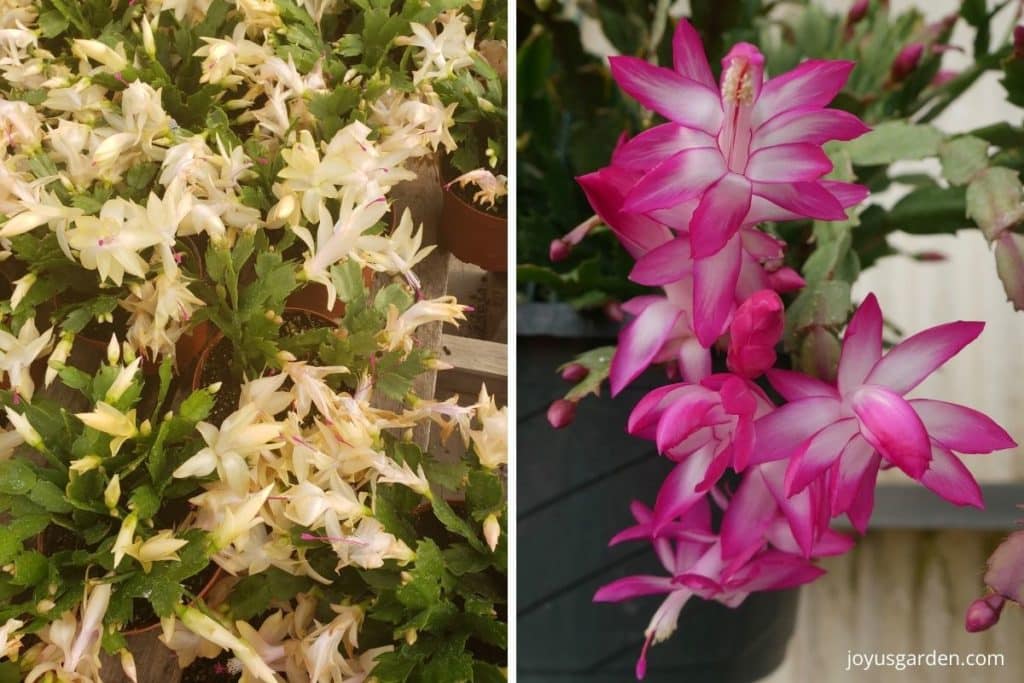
{"x": 485, "y": 359}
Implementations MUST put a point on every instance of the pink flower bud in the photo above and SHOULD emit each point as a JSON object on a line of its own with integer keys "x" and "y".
{"x": 858, "y": 11}
{"x": 613, "y": 309}
{"x": 574, "y": 372}
{"x": 984, "y": 613}
{"x": 906, "y": 61}
{"x": 785, "y": 280}
{"x": 559, "y": 250}
{"x": 943, "y": 77}
{"x": 1018, "y": 42}
{"x": 561, "y": 413}
{"x": 756, "y": 329}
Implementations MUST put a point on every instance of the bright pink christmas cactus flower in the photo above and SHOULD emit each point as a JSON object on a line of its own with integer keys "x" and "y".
{"x": 694, "y": 561}
{"x": 727, "y": 144}
{"x": 711, "y": 423}
{"x": 846, "y": 431}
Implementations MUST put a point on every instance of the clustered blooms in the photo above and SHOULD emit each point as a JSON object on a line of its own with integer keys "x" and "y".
{"x": 102, "y": 191}
{"x": 685, "y": 199}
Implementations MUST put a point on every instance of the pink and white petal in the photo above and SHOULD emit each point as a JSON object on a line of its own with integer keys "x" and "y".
{"x": 814, "y": 83}
{"x": 639, "y": 304}
{"x": 848, "y": 194}
{"x": 912, "y": 360}
{"x": 719, "y": 215}
{"x": 688, "y": 56}
{"x": 863, "y": 503}
{"x": 694, "y": 360}
{"x": 748, "y": 516}
{"x": 742, "y": 443}
{"x": 794, "y": 386}
{"x": 761, "y": 245}
{"x": 675, "y": 97}
{"x": 643, "y": 420}
{"x": 640, "y": 341}
{"x": 676, "y": 180}
{"x": 775, "y": 571}
{"x": 805, "y": 199}
{"x": 657, "y": 144}
{"x": 606, "y": 191}
{"x": 679, "y": 492}
{"x": 890, "y": 424}
{"x": 630, "y": 587}
{"x": 668, "y": 263}
{"x": 800, "y": 510}
{"x": 846, "y": 474}
{"x": 782, "y": 431}
{"x": 788, "y": 164}
{"x": 678, "y": 217}
{"x": 960, "y": 428}
{"x": 817, "y": 454}
{"x": 714, "y": 291}
{"x": 862, "y": 346}
{"x": 682, "y": 418}
{"x": 719, "y": 464}
{"x": 950, "y": 479}
{"x": 762, "y": 210}
{"x": 809, "y": 124}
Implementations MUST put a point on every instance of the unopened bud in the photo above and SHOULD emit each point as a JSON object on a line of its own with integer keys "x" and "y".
{"x": 214, "y": 388}
{"x": 858, "y": 11}
{"x": 148, "y": 43}
{"x": 410, "y": 636}
{"x": 906, "y": 61}
{"x": 559, "y": 250}
{"x": 983, "y": 613}
{"x": 561, "y": 413}
{"x": 146, "y": 428}
{"x": 492, "y": 531}
{"x": 574, "y": 372}
{"x": 613, "y": 309}
{"x": 113, "y": 350}
{"x": 112, "y": 494}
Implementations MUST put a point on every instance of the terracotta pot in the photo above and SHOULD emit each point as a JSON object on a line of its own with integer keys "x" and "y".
{"x": 474, "y": 236}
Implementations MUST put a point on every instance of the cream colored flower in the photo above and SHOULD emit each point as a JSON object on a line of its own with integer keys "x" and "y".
{"x": 111, "y": 242}
{"x": 110, "y": 420}
{"x": 441, "y": 54}
{"x": 18, "y": 353}
{"x": 490, "y": 442}
{"x": 398, "y": 252}
{"x": 492, "y": 187}
{"x": 10, "y": 639}
{"x": 163, "y": 547}
{"x": 400, "y": 327}
{"x": 241, "y": 436}
{"x": 216, "y": 633}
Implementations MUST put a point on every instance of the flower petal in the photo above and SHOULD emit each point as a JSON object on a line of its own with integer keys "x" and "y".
{"x": 640, "y": 341}
{"x": 814, "y": 83}
{"x": 780, "y": 432}
{"x": 679, "y": 491}
{"x": 862, "y": 345}
{"x": 688, "y": 56}
{"x": 794, "y": 386}
{"x": 808, "y": 124}
{"x": 719, "y": 215}
{"x": 960, "y": 428}
{"x": 630, "y": 587}
{"x": 890, "y": 424}
{"x": 657, "y": 144}
{"x": 804, "y": 199}
{"x": 643, "y": 420}
{"x": 714, "y": 291}
{"x": 788, "y": 164}
{"x": 606, "y": 192}
{"x": 676, "y": 180}
{"x": 748, "y": 516}
{"x": 665, "y": 264}
{"x": 911, "y": 361}
{"x": 675, "y": 97}
{"x": 800, "y": 510}
{"x": 682, "y": 418}
{"x": 818, "y": 454}
{"x": 949, "y": 478}
{"x": 848, "y": 194}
